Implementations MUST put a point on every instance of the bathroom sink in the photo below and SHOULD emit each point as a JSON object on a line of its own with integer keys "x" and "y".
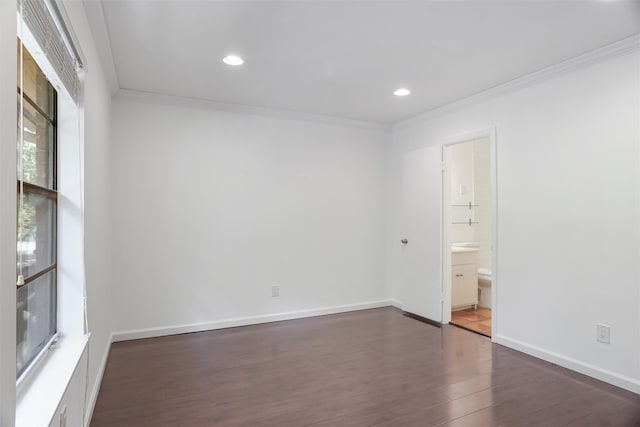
{"x": 460, "y": 249}
{"x": 461, "y": 255}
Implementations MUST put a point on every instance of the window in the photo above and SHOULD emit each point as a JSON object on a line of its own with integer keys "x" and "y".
{"x": 37, "y": 212}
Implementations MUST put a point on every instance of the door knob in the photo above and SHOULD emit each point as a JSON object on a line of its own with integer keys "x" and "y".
{"x": 404, "y": 241}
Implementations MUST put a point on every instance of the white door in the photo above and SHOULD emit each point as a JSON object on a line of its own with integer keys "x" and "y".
{"x": 422, "y": 217}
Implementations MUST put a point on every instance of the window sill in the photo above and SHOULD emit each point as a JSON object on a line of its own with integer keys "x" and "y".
{"x": 39, "y": 395}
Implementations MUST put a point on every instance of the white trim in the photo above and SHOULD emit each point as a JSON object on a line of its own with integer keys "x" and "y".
{"x": 156, "y": 98}
{"x": 98, "y": 25}
{"x": 495, "y": 229}
{"x": 468, "y": 136}
{"x": 396, "y": 303}
{"x": 40, "y": 394}
{"x": 244, "y": 321}
{"x": 622, "y": 381}
{"x": 618, "y": 48}
{"x": 638, "y": 118}
{"x": 34, "y": 365}
{"x": 445, "y": 229}
{"x": 443, "y": 252}
{"x": 89, "y": 408}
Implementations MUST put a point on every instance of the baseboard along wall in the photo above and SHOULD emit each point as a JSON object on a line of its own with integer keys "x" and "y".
{"x": 244, "y": 321}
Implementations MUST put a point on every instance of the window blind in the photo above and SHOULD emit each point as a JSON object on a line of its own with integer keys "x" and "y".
{"x": 49, "y": 30}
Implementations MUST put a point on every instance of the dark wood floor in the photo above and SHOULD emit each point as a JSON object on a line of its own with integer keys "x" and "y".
{"x": 372, "y": 367}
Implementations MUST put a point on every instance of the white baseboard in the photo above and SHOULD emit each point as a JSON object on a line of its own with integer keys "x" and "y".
{"x": 396, "y": 303}
{"x": 244, "y": 321}
{"x": 622, "y": 381}
{"x": 96, "y": 387}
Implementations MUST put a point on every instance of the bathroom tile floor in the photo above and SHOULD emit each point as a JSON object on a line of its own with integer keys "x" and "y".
{"x": 477, "y": 320}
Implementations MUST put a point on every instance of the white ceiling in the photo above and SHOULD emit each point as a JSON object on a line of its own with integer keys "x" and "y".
{"x": 345, "y": 58}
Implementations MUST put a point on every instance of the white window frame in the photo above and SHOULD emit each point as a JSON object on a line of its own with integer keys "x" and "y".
{"x": 39, "y": 394}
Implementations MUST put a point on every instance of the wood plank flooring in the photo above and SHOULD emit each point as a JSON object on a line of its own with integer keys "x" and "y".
{"x": 372, "y": 367}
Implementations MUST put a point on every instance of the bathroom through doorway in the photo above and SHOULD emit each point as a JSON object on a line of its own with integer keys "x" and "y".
{"x": 469, "y": 235}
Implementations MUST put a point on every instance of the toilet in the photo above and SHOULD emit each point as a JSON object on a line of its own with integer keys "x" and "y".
{"x": 484, "y": 277}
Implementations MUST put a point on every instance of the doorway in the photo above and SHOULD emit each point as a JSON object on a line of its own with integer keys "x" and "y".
{"x": 468, "y": 238}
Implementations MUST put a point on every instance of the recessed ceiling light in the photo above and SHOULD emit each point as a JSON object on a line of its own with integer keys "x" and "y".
{"x": 401, "y": 92}
{"x": 232, "y": 60}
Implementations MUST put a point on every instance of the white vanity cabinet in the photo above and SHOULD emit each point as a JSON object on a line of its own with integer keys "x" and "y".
{"x": 464, "y": 277}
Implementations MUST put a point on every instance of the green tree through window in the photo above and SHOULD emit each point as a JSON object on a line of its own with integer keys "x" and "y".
{"x": 37, "y": 212}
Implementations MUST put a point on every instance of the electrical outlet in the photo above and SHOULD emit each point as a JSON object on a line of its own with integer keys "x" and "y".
{"x": 275, "y": 290}
{"x": 63, "y": 417}
{"x": 602, "y": 333}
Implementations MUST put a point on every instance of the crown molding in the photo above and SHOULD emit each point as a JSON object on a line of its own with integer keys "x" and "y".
{"x": 156, "y": 98}
{"x": 98, "y": 27}
{"x": 619, "y": 48}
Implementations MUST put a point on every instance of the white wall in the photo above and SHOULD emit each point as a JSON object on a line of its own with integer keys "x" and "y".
{"x": 460, "y": 161}
{"x": 482, "y": 196}
{"x": 568, "y": 246}
{"x": 212, "y": 208}
{"x": 470, "y": 174}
